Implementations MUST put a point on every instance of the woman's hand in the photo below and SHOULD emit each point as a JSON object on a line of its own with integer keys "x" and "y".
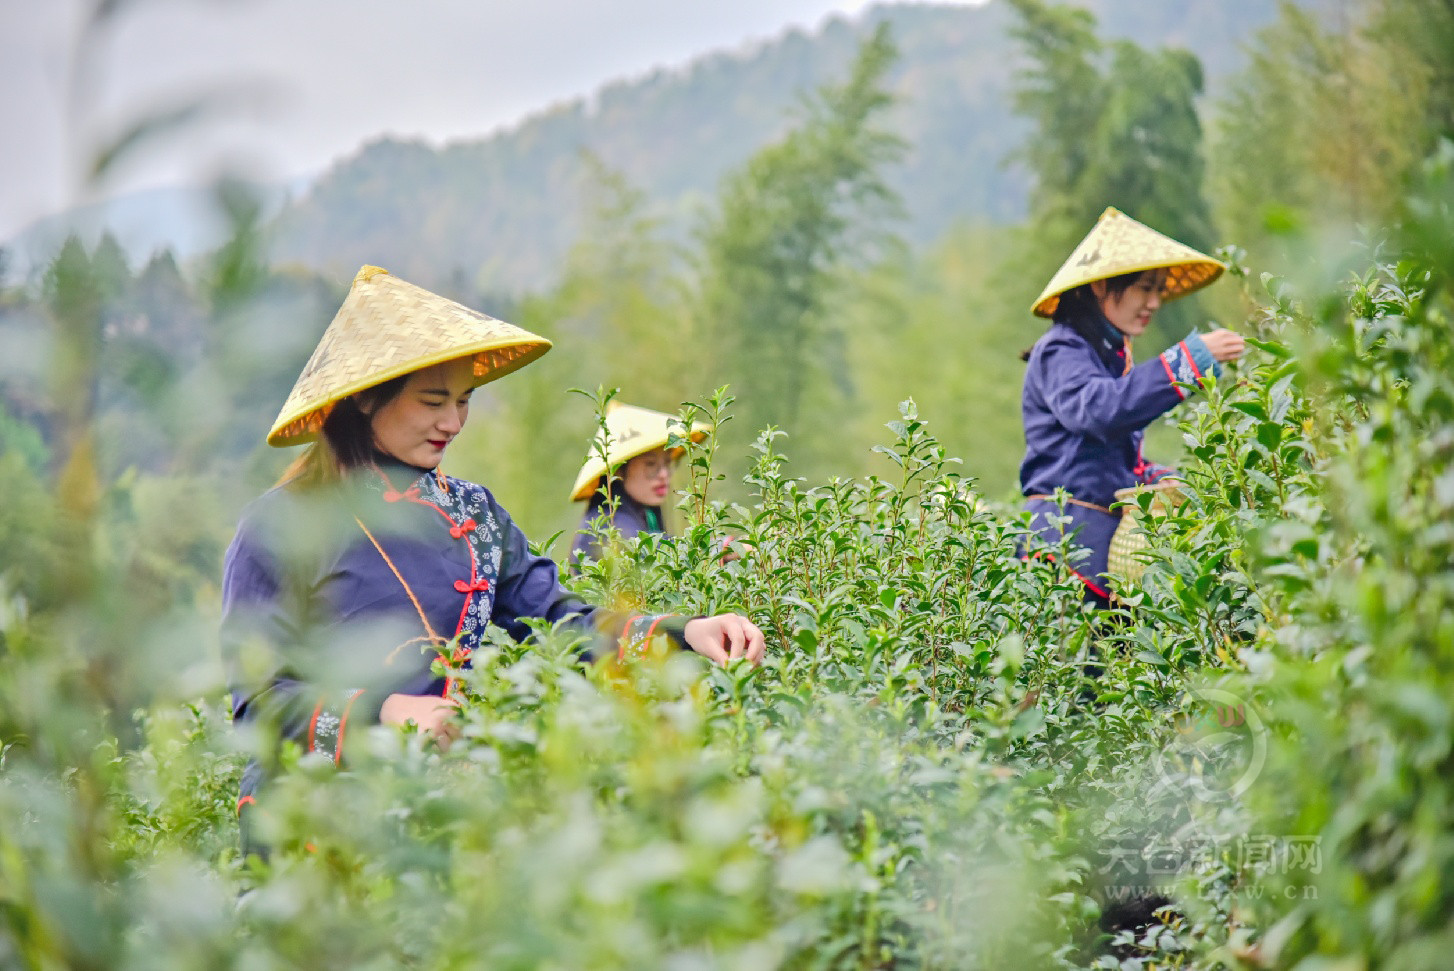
{"x": 1224, "y": 344}
{"x": 729, "y": 554}
{"x": 725, "y": 637}
{"x": 431, "y": 713}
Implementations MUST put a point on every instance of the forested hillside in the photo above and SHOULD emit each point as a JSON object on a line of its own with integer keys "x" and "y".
{"x": 949, "y": 759}
{"x": 498, "y": 214}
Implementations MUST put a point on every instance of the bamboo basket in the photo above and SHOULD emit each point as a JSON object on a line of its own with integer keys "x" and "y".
{"x": 1129, "y": 539}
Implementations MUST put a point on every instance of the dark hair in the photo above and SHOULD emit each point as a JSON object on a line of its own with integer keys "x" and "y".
{"x": 1080, "y": 309}
{"x": 615, "y": 485}
{"x": 614, "y": 488}
{"x": 347, "y": 440}
{"x": 348, "y": 429}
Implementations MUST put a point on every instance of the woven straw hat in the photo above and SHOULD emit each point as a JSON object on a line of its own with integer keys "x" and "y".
{"x": 630, "y": 431}
{"x": 387, "y": 328}
{"x": 1119, "y": 244}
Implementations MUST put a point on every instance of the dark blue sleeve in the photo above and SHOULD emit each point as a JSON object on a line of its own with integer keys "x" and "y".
{"x": 529, "y": 587}
{"x": 1088, "y": 401}
{"x": 255, "y": 622}
{"x": 265, "y": 617}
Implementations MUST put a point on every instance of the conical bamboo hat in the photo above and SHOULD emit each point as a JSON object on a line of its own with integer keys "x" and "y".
{"x": 387, "y": 328}
{"x": 1119, "y": 244}
{"x": 630, "y": 431}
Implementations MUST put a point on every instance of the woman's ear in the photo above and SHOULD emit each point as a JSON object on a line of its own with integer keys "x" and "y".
{"x": 1098, "y": 287}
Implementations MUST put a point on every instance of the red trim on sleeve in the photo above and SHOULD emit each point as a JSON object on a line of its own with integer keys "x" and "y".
{"x": 313, "y": 725}
{"x": 1192, "y": 361}
{"x": 1095, "y": 587}
{"x": 625, "y": 634}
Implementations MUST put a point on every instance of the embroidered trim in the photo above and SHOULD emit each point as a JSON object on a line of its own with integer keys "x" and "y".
{"x": 637, "y": 645}
{"x": 325, "y": 739}
{"x": 343, "y": 726}
{"x": 1181, "y": 368}
{"x": 1191, "y": 359}
{"x": 478, "y": 532}
{"x": 313, "y": 726}
{"x": 1170, "y": 377}
{"x": 625, "y": 638}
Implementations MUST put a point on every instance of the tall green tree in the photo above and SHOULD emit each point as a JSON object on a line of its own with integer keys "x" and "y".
{"x": 1064, "y": 93}
{"x": 1319, "y": 135}
{"x": 1117, "y": 125}
{"x": 790, "y": 224}
{"x": 618, "y": 319}
{"x": 74, "y": 298}
{"x": 1424, "y": 31}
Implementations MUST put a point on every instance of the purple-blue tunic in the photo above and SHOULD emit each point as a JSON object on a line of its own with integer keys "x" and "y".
{"x": 1085, "y": 410}
{"x": 630, "y": 519}
{"x": 336, "y": 598}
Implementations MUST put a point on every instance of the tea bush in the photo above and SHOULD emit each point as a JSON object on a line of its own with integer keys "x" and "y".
{"x": 946, "y": 761}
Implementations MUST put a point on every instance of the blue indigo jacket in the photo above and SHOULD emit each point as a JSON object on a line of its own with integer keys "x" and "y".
{"x": 630, "y": 519}
{"x": 1085, "y": 408}
{"x": 335, "y": 598}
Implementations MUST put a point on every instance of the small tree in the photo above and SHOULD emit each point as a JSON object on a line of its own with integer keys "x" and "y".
{"x": 1328, "y": 121}
{"x": 790, "y": 222}
{"x": 1116, "y": 125}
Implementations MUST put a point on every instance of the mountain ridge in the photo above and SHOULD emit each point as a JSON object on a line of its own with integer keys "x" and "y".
{"x": 499, "y": 212}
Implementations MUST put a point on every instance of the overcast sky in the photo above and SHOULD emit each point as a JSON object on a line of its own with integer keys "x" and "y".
{"x": 302, "y": 82}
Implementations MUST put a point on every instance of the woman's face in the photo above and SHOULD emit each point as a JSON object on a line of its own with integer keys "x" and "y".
{"x": 1130, "y": 310}
{"x": 418, "y": 423}
{"x": 647, "y": 477}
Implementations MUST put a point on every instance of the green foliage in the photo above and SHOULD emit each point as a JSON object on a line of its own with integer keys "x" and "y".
{"x": 921, "y": 775}
{"x": 1116, "y": 125}
{"x": 1330, "y": 120}
{"x": 946, "y": 760}
{"x": 1359, "y": 684}
{"x": 618, "y": 319}
{"x": 944, "y": 326}
{"x": 791, "y": 221}
{"x": 22, "y": 440}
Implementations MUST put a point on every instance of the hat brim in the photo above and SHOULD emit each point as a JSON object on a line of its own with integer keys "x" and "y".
{"x": 1117, "y": 245}
{"x": 1183, "y": 277}
{"x": 589, "y": 481}
{"x": 493, "y": 359}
